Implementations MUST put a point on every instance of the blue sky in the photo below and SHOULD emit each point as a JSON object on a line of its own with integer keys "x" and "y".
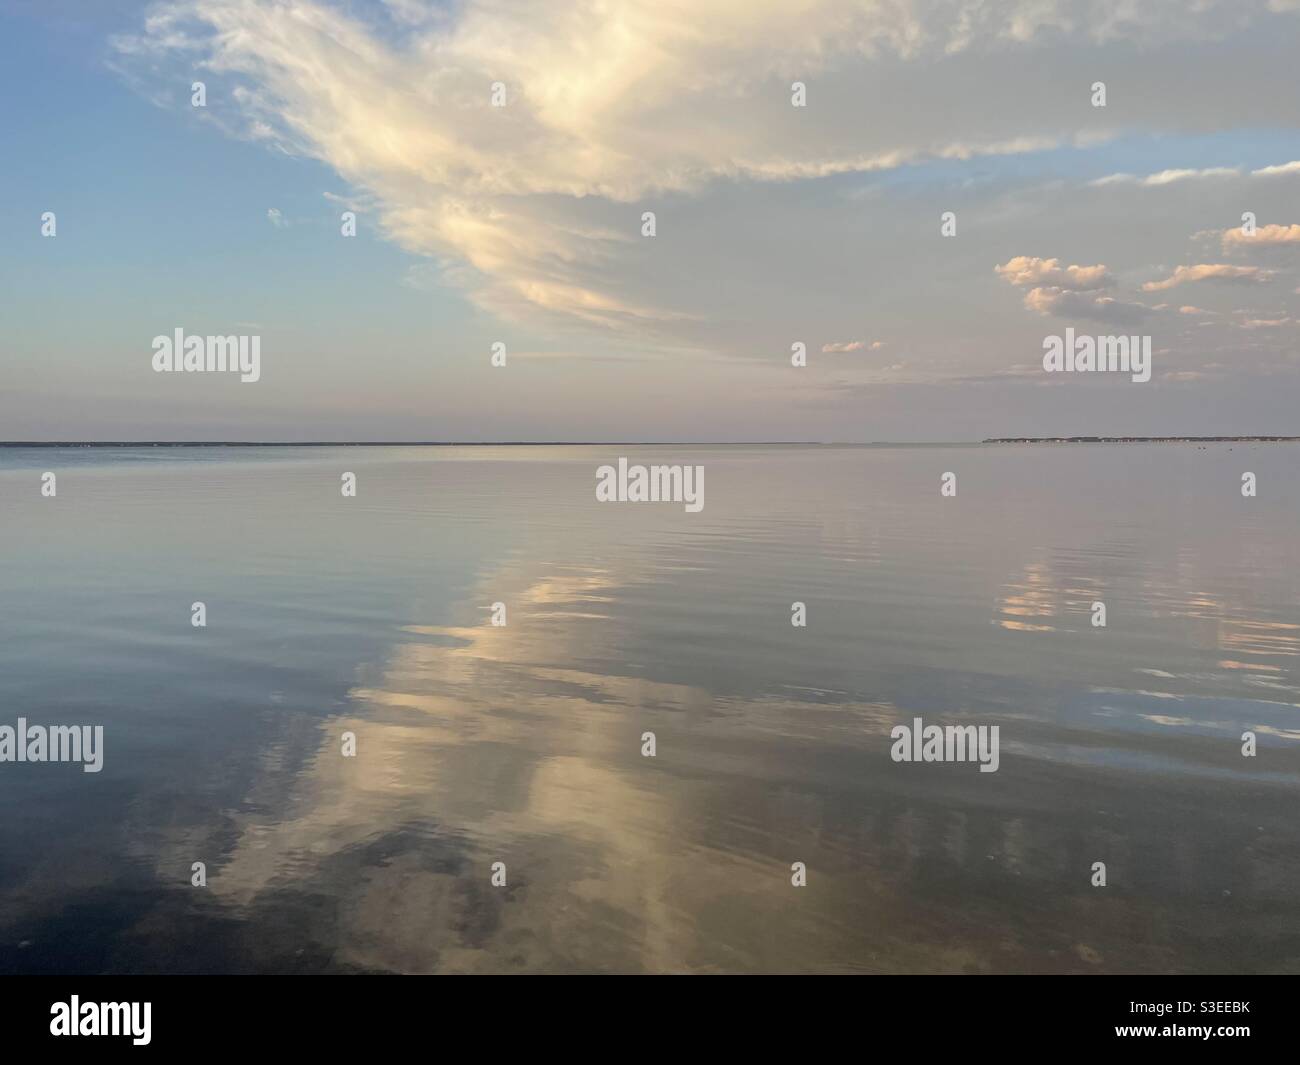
{"x": 521, "y": 224}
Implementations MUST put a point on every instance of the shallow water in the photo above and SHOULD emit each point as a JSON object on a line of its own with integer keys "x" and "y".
{"x": 522, "y": 744}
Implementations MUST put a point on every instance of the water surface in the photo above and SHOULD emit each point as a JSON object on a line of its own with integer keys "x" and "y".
{"x": 522, "y": 744}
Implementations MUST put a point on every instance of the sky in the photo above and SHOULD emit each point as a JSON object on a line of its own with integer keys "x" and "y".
{"x": 774, "y": 225}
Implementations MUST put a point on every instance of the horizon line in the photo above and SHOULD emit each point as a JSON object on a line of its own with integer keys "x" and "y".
{"x": 469, "y": 443}
{"x": 1243, "y": 438}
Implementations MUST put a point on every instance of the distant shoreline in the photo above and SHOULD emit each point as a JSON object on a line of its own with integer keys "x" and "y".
{"x": 1140, "y": 439}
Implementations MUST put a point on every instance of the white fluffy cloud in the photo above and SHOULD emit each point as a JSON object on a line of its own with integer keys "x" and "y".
{"x": 535, "y": 206}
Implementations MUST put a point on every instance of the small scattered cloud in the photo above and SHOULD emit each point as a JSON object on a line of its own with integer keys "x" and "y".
{"x": 842, "y": 346}
{"x": 1068, "y": 291}
{"x": 1263, "y": 235}
{"x": 276, "y": 218}
{"x": 1065, "y": 303}
{"x": 1208, "y": 272}
{"x": 1026, "y": 270}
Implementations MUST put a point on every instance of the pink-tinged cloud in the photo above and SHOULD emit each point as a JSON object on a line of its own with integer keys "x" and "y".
{"x": 1029, "y": 270}
{"x": 1065, "y": 303}
{"x": 841, "y": 346}
{"x": 1207, "y": 272}
{"x": 1264, "y": 235}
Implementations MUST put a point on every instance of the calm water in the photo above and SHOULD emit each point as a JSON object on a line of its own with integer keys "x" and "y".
{"x": 522, "y": 744}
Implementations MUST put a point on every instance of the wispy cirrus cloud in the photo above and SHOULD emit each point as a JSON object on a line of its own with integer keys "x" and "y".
{"x": 1208, "y": 272}
{"x": 1168, "y": 177}
{"x": 1280, "y": 170}
{"x": 839, "y": 347}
